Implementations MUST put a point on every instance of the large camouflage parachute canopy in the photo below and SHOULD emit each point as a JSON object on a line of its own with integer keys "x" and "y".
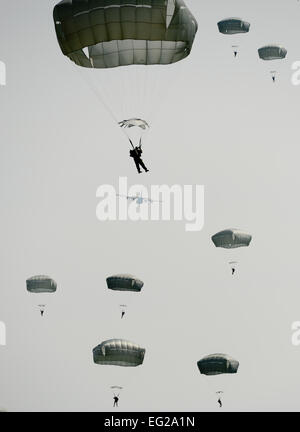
{"x": 111, "y": 33}
{"x": 231, "y": 238}
{"x": 41, "y": 284}
{"x": 118, "y": 352}
{"x": 272, "y": 52}
{"x": 231, "y": 26}
{"x": 124, "y": 282}
{"x": 217, "y": 364}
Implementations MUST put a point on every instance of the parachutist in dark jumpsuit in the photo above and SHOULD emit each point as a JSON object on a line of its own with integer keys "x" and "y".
{"x": 116, "y": 400}
{"x": 273, "y": 78}
{"x": 123, "y": 313}
{"x": 42, "y": 313}
{"x": 220, "y": 402}
{"x": 232, "y": 271}
{"x": 136, "y": 154}
{"x": 235, "y": 53}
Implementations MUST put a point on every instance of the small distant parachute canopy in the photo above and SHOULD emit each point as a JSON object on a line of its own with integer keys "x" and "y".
{"x": 124, "y": 282}
{"x": 231, "y": 238}
{"x": 119, "y": 352}
{"x": 217, "y": 364}
{"x": 272, "y": 52}
{"x": 116, "y": 387}
{"x": 134, "y": 122}
{"x": 122, "y": 32}
{"x": 232, "y": 26}
{"x": 41, "y": 284}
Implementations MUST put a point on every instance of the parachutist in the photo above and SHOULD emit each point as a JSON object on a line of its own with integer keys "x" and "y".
{"x": 220, "y": 402}
{"x": 235, "y": 53}
{"x": 136, "y": 154}
{"x": 232, "y": 271}
{"x": 123, "y": 313}
{"x": 116, "y": 400}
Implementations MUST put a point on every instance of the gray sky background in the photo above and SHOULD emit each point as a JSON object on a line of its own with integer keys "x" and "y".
{"x": 224, "y": 125}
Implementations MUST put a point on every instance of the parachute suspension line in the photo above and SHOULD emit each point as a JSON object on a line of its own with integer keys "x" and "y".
{"x": 124, "y": 87}
{"x": 140, "y": 77}
{"x": 174, "y": 71}
{"x": 142, "y": 87}
{"x": 98, "y": 95}
{"x": 144, "y": 97}
{"x": 211, "y": 387}
{"x": 146, "y": 83}
{"x": 128, "y": 137}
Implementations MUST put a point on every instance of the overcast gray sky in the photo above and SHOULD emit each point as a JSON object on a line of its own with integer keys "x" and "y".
{"x": 224, "y": 125}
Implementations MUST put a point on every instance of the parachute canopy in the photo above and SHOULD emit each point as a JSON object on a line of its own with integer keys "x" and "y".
{"x": 124, "y": 282}
{"x": 124, "y": 32}
{"x": 134, "y": 122}
{"x": 231, "y": 238}
{"x": 41, "y": 284}
{"x": 231, "y": 26}
{"x": 217, "y": 364}
{"x": 272, "y": 52}
{"x": 118, "y": 352}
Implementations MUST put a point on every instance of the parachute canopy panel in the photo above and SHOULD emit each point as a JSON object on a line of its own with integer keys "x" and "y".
{"x": 119, "y": 352}
{"x": 217, "y": 364}
{"x": 272, "y": 52}
{"x": 232, "y": 26}
{"x": 124, "y": 282}
{"x": 124, "y": 32}
{"x": 231, "y": 238}
{"x": 41, "y": 284}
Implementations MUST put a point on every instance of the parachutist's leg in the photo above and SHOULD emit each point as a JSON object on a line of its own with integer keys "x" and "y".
{"x": 137, "y": 165}
{"x": 143, "y": 166}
